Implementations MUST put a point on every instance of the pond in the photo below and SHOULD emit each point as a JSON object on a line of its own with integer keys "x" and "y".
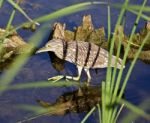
{"x": 39, "y": 67}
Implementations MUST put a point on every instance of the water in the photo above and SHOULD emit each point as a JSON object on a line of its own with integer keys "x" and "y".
{"x": 39, "y": 67}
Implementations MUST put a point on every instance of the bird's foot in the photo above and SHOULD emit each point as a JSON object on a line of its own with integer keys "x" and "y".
{"x": 56, "y": 78}
{"x": 72, "y": 78}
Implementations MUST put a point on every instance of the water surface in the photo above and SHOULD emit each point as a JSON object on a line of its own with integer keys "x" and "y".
{"x": 39, "y": 68}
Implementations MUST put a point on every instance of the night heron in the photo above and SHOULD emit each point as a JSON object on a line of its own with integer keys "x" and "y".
{"x": 84, "y": 55}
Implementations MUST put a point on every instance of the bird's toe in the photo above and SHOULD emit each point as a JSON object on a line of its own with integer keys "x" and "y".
{"x": 56, "y": 78}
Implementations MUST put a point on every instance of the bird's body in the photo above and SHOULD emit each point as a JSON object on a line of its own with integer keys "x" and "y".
{"x": 83, "y": 54}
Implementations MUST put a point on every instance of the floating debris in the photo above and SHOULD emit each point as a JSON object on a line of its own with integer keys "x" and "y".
{"x": 138, "y": 39}
{"x": 10, "y": 46}
{"x": 14, "y": 44}
{"x": 30, "y": 26}
{"x": 87, "y": 32}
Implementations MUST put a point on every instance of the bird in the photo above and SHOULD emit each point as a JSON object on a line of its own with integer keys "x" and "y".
{"x": 85, "y": 55}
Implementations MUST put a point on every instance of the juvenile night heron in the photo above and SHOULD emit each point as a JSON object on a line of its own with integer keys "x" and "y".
{"x": 84, "y": 55}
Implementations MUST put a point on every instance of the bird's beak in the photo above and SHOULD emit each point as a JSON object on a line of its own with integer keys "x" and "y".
{"x": 43, "y": 49}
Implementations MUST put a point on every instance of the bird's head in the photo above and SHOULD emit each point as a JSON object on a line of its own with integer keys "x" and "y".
{"x": 52, "y": 45}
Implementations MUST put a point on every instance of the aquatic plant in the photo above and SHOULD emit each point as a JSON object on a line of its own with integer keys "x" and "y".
{"x": 112, "y": 102}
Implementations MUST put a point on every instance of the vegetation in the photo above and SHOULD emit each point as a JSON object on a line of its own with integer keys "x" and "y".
{"x": 112, "y": 102}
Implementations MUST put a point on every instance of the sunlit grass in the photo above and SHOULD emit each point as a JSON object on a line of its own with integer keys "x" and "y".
{"x": 38, "y": 36}
{"x": 16, "y": 6}
{"x": 64, "y": 11}
{"x": 136, "y": 111}
{"x": 112, "y": 84}
{"x": 142, "y": 15}
{"x": 68, "y": 10}
{"x": 108, "y": 92}
{"x": 1, "y": 3}
{"x": 88, "y": 114}
{"x": 20, "y": 60}
{"x": 124, "y": 61}
{"x": 40, "y": 84}
{"x": 111, "y": 115}
{"x": 133, "y": 7}
{"x": 10, "y": 20}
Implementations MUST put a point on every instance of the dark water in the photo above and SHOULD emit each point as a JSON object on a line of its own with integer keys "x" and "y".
{"x": 39, "y": 68}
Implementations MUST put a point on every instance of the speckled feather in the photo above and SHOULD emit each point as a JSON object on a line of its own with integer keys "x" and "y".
{"x": 84, "y": 54}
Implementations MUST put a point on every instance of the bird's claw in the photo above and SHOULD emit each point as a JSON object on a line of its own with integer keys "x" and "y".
{"x": 56, "y": 78}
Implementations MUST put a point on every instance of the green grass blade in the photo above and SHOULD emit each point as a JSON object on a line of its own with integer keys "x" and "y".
{"x": 10, "y": 20}
{"x": 20, "y": 60}
{"x": 99, "y": 113}
{"x": 64, "y": 11}
{"x": 127, "y": 50}
{"x": 124, "y": 20}
{"x": 40, "y": 84}
{"x": 142, "y": 15}
{"x": 103, "y": 102}
{"x": 108, "y": 76}
{"x": 68, "y": 10}
{"x": 109, "y": 21}
{"x": 107, "y": 101}
{"x": 17, "y": 7}
{"x": 132, "y": 64}
{"x": 120, "y": 36}
{"x": 15, "y": 66}
{"x": 114, "y": 75}
{"x": 118, "y": 113}
{"x": 88, "y": 114}
{"x": 138, "y": 111}
{"x": 1, "y": 3}
{"x": 124, "y": 60}
{"x": 133, "y": 7}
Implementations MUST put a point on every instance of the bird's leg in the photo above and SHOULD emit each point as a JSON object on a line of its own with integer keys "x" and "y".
{"x": 79, "y": 74}
{"x": 88, "y": 75}
{"x": 57, "y": 78}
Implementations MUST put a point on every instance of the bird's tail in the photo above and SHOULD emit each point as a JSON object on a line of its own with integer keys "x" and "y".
{"x": 119, "y": 62}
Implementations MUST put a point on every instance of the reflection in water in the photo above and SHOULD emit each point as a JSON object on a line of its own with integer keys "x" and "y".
{"x": 30, "y": 72}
